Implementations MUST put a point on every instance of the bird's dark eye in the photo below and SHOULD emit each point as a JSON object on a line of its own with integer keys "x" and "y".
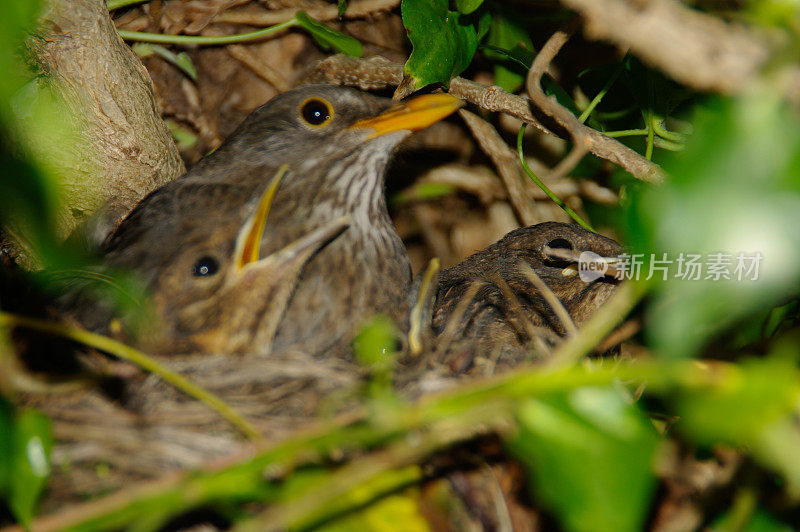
{"x": 205, "y": 267}
{"x": 316, "y": 112}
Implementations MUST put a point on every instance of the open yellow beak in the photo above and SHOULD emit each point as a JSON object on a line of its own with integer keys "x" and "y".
{"x": 248, "y": 244}
{"x": 415, "y": 114}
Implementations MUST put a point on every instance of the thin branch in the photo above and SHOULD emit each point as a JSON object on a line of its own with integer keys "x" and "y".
{"x": 562, "y": 167}
{"x": 355, "y": 9}
{"x": 378, "y": 72}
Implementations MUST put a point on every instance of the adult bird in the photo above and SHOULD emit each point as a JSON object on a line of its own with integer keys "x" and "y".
{"x": 280, "y": 239}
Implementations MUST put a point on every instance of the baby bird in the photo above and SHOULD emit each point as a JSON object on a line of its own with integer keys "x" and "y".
{"x": 494, "y": 302}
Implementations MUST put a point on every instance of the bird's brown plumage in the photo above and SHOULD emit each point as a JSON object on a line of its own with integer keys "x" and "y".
{"x": 181, "y": 238}
{"x": 496, "y": 307}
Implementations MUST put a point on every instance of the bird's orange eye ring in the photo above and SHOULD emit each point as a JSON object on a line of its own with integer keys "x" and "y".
{"x": 316, "y": 112}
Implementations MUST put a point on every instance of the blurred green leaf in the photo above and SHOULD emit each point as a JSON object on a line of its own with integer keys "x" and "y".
{"x": 733, "y": 195}
{"x": 29, "y": 121}
{"x": 784, "y": 13}
{"x": 31, "y": 444}
{"x": 760, "y": 521}
{"x": 375, "y": 347}
{"x": 328, "y": 38}
{"x": 753, "y": 405}
{"x": 755, "y": 394}
{"x": 182, "y": 135}
{"x": 181, "y": 60}
{"x": 423, "y": 192}
{"x": 385, "y": 515}
{"x": 376, "y": 341}
{"x": 6, "y": 424}
{"x": 443, "y": 42}
{"x": 342, "y": 7}
{"x": 468, "y": 6}
{"x": 507, "y": 32}
{"x": 589, "y": 454}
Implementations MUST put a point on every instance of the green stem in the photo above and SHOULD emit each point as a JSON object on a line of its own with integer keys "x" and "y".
{"x": 626, "y": 133}
{"x": 664, "y": 133}
{"x": 606, "y": 116}
{"x": 588, "y": 111}
{"x": 202, "y": 40}
{"x": 116, "y": 4}
{"x": 650, "y": 117}
{"x": 544, "y": 187}
{"x": 125, "y": 352}
{"x": 665, "y": 144}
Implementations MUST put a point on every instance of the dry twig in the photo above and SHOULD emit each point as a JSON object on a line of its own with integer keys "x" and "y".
{"x": 250, "y": 60}
{"x": 507, "y": 165}
{"x": 550, "y": 298}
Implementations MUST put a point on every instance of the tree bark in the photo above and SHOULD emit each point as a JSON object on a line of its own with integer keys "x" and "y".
{"x": 123, "y": 148}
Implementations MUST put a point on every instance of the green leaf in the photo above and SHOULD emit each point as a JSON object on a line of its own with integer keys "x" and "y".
{"x": 31, "y": 444}
{"x": 484, "y": 23}
{"x": 507, "y": 32}
{"x": 733, "y": 195}
{"x": 589, "y": 455}
{"x": 328, "y": 38}
{"x": 443, "y": 42}
{"x": 342, "y": 7}
{"x": 468, "y": 6}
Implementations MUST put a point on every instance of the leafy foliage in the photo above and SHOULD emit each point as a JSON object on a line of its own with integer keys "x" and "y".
{"x": 444, "y": 41}
{"x": 583, "y": 449}
{"x": 741, "y": 150}
{"x": 587, "y": 447}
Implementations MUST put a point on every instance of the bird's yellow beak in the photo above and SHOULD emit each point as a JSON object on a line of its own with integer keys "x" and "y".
{"x": 415, "y": 114}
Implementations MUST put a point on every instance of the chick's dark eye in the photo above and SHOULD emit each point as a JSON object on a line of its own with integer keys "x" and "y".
{"x": 316, "y": 112}
{"x": 560, "y": 243}
{"x": 205, "y": 267}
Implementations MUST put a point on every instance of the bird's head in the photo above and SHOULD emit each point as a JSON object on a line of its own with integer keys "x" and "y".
{"x": 210, "y": 287}
{"x": 315, "y": 125}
